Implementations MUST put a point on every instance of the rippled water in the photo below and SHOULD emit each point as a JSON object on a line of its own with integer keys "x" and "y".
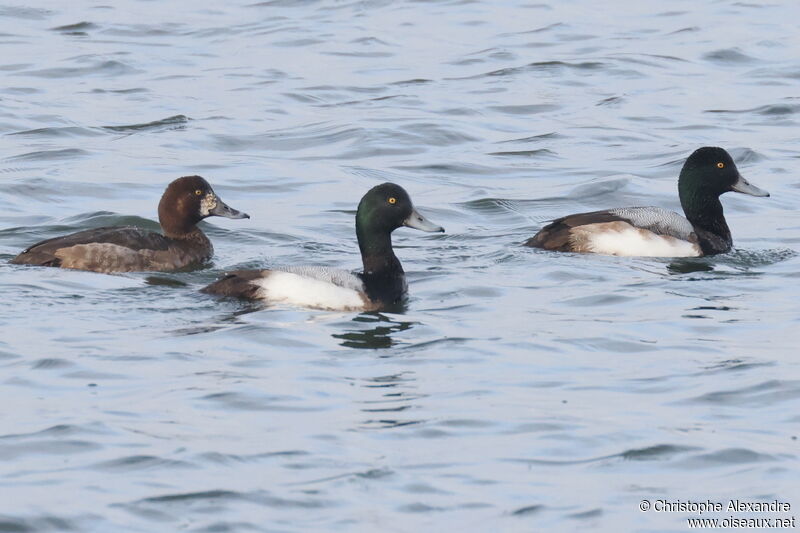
{"x": 519, "y": 390}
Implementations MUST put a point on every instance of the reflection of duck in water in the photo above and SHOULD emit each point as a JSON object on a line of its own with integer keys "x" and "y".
{"x": 382, "y": 210}
{"x": 378, "y": 336}
{"x": 655, "y": 232}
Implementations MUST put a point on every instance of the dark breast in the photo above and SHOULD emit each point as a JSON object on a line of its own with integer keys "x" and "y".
{"x": 384, "y": 289}
{"x": 712, "y": 244}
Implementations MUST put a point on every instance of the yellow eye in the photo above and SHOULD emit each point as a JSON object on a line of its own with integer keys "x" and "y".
{"x": 392, "y": 200}
{"x": 198, "y": 192}
{"x": 720, "y": 165}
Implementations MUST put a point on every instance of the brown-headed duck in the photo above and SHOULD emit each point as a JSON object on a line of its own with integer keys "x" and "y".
{"x": 185, "y": 202}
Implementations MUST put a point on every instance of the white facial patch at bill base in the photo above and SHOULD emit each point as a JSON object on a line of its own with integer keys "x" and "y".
{"x": 208, "y": 203}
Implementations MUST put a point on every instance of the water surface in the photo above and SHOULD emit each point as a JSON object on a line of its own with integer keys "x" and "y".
{"x": 518, "y": 390}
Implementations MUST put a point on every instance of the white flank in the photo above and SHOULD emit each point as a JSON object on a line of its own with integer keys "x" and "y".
{"x": 294, "y": 289}
{"x": 638, "y": 242}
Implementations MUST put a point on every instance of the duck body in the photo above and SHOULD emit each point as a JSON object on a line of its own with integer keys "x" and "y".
{"x": 627, "y": 231}
{"x": 130, "y": 249}
{"x": 303, "y": 286}
{"x": 655, "y": 232}
{"x": 382, "y": 283}
{"x": 119, "y": 249}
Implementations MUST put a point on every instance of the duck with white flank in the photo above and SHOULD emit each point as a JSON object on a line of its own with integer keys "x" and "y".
{"x": 654, "y": 232}
{"x": 382, "y": 210}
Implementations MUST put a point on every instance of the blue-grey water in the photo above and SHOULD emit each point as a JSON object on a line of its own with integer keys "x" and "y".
{"x": 519, "y": 390}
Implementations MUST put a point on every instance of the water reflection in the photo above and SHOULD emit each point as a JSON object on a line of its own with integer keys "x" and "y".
{"x": 741, "y": 260}
{"x": 377, "y": 336}
{"x": 222, "y": 322}
{"x": 689, "y": 266}
{"x": 396, "y": 394}
{"x": 164, "y": 281}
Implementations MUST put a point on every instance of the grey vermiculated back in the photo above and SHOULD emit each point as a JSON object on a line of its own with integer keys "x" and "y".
{"x": 337, "y": 276}
{"x": 657, "y": 220}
